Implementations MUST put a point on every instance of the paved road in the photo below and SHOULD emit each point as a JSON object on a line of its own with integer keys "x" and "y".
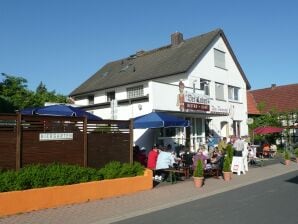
{"x": 270, "y": 201}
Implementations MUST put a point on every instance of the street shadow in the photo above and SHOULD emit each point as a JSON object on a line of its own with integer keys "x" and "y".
{"x": 293, "y": 180}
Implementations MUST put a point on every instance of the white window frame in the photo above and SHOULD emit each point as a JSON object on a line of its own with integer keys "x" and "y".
{"x": 219, "y": 59}
{"x": 234, "y": 93}
{"x": 205, "y": 85}
{"x": 219, "y": 91}
{"x": 135, "y": 91}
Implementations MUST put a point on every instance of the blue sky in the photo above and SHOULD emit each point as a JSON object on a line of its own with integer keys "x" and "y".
{"x": 63, "y": 42}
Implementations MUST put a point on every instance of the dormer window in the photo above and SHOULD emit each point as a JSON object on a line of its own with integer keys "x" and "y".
{"x": 134, "y": 92}
{"x": 219, "y": 59}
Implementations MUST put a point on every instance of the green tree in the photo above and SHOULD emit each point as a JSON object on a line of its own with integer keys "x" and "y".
{"x": 15, "y": 95}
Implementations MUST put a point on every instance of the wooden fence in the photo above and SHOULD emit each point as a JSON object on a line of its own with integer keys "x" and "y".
{"x": 26, "y": 139}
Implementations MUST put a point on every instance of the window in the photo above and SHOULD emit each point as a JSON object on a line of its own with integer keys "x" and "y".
{"x": 197, "y": 126}
{"x": 233, "y": 93}
{"x": 219, "y": 91}
{"x": 110, "y": 96}
{"x": 91, "y": 99}
{"x": 205, "y": 85}
{"x": 219, "y": 59}
{"x": 134, "y": 92}
{"x": 236, "y": 128}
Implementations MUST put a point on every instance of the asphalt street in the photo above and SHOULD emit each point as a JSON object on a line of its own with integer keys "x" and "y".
{"x": 271, "y": 201}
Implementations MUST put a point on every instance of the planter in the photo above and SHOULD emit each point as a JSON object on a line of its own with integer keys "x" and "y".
{"x": 34, "y": 199}
{"x": 198, "y": 181}
{"x": 227, "y": 176}
{"x": 287, "y": 162}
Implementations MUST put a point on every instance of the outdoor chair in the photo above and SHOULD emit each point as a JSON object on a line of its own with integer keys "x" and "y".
{"x": 214, "y": 169}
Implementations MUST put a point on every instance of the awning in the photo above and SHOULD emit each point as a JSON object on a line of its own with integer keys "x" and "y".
{"x": 159, "y": 120}
{"x": 60, "y": 110}
{"x": 267, "y": 130}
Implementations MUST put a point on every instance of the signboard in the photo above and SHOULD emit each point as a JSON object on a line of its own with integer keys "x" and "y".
{"x": 55, "y": 136}
{"x": 219, "y": 109}
{"x": 196, "y": 102}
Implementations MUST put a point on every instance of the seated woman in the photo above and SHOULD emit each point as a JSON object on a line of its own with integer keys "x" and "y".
{"x": 273, "y": 148}
{"x": 266, "y": 149}
{"x": 199, "y": 155}
{"x": 215, "y": 159}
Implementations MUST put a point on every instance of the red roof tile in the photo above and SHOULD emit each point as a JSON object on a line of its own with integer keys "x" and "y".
{"x": 251, "y": 104}
{"x": 279, "y": 98}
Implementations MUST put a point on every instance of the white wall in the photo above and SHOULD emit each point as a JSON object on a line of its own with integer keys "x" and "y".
{"x": 164, "y": 97}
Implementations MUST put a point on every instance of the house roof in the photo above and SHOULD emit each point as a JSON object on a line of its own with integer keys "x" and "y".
{"x": 147, "y": 65}
{"x": 251, "y": 104}
{"x": 279, "y": 98}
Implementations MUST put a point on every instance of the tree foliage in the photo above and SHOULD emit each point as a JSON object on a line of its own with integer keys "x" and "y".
{"x": 15, "y": 95}
{"x": 273, "y": 118}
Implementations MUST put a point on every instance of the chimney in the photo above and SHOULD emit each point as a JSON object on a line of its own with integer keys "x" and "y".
{"x": 273, "y": 86}
{"x": 176, "y": 38}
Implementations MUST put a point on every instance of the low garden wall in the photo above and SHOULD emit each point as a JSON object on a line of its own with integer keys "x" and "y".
{"x": 34, "y": 199}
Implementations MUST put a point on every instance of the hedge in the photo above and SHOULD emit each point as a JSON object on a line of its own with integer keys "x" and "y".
{"x": 37, "y": 176}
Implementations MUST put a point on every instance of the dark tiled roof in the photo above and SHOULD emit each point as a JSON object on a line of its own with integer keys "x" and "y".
{"x": 279, "y": 98}
{"x": 164, "y": 61}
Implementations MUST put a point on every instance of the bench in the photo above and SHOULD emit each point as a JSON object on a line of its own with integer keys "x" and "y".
{"x": 172, "y": 177}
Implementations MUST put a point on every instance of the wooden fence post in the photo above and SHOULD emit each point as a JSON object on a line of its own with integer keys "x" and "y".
{"x": 18, "y": 143}
{"x": 85, "y": 142}
{"x": 131, "y": 141}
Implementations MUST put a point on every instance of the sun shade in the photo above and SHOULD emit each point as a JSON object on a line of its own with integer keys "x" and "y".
{"x": 267, "y": 130}
{"x": 159, "y": 120}
{"x": 60, "y": 110}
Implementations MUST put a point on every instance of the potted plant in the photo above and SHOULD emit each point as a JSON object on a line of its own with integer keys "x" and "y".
{"x": 287, "y": 157}
{"x": 296, "y": 154}
{"x": 227, "y": 173}
{"x": 198, "y": 174}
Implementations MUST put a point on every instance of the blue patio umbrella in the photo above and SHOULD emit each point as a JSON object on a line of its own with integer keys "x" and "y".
{"x": 159, "y": 120}
{"x": 60, "y": 110}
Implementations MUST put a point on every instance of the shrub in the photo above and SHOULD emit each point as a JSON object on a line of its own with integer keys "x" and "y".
{"x": 286, "y": 155}
{"x": 296, "y": 152}
{"x": 227, "y": 164}
{"x": 199, "y": 171}
{"x": 36, "y": 176}
{"x": 230, "y": 151}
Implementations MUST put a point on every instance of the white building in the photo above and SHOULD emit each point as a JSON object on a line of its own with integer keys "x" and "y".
{"x": 214, "y": 89}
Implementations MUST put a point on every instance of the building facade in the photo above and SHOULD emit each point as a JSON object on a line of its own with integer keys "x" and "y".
{"x": 198, "y": 79}
{"x": 281, "y": 100}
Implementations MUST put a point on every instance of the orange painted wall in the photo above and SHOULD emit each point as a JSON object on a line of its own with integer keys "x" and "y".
{"x": 35, "y": 199}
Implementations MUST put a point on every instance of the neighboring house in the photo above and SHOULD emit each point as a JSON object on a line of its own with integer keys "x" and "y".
{"x": 281, "y": 99}
{"x": 199, "y": 79}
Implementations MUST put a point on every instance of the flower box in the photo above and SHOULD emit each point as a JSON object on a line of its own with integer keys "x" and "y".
{"x": 40, "y": 198}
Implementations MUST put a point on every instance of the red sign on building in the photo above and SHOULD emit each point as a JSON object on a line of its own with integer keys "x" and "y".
{"x": 196, "y": 106}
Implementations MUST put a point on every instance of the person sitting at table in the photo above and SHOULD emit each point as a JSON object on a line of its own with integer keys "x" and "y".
{"x": 186, "y": 157}
{"x": 139, "y": 155}
{"x": 152, "y": 158}
{"x": 273, "y": 149}
{"x": 266, "y": 149}
{"x": 199, "y": 155}
{"x": 165, "y": 160}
